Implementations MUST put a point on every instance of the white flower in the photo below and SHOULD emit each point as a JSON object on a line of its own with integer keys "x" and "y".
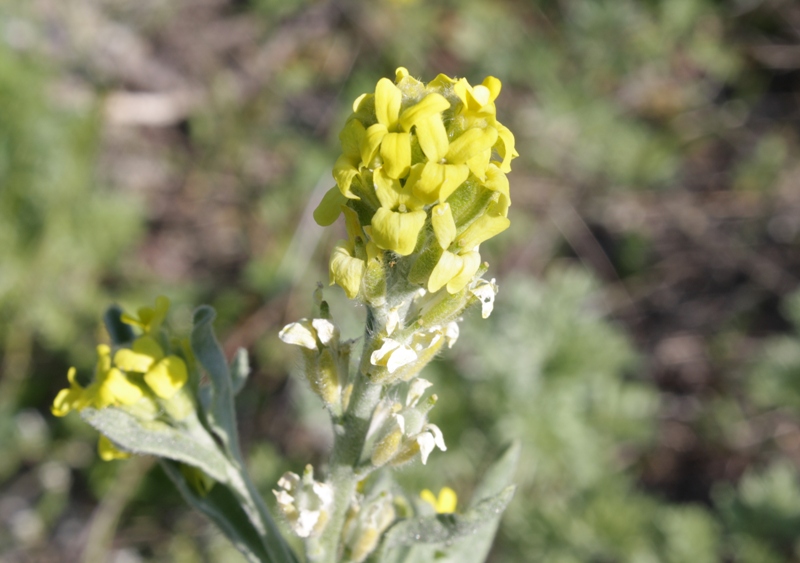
{"x": 428, "y": 439}
{"x": 416, "y": 390}
{"x": 485, "y": 292}
{"x": 299, "y": 334}
{"x": 326, "y": 330}
{"x": 393, "y": 355}
{"x": 451, "y": 332}
{"x": 304, "y": 502}
{"x": 306, "y": 332}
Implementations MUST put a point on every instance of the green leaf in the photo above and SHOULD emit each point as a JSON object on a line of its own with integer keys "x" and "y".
{"x": 456, "y": 538}
{"x": 222, "y": 507}
{"x": 444, "y": 528}
{"x": 156, "y": 438}
{"x": 500, "y": 475}
{"x": 221, "y": 415}
{"x": 240, "y": 369}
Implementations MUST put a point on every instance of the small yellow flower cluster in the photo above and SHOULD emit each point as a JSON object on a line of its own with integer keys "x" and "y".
{"x": 423, "y": 173}
{"x": 133, "y": 376}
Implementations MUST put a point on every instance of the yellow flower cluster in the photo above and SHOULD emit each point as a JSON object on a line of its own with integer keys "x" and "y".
{"x": 134, "y": 374}
{"x": 423, "y": 172}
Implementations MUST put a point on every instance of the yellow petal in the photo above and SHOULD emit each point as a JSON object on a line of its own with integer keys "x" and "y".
{"x": 396, "y": 154}
{"x": 371, "y": 143}
{"x": 330, "y": 207}
{"x": 447, "y": 268}
{"x": 444, "y": 226}
{"x": 429, "y": 497}
{"x": 351, "y": 136}
{"x": 129, "y": 360}
{"x": 344, "y": 172}
{"x": 361, "y": 99}
{"x": 392, "y": 195}
{"x": 108, "y": 451}
{"x": 506, "y": 147}
{"x": 103, "y": 359}
{"x": 432, "y": 137}
{"x": 397, "y": 231}
{"x": 436, "y": 182}
{"x": 494, "y": 86}
{"x": 441, "y": 81}
{"x": 119, "y": 389}
{"x": 70, "y": 399}
{"x": 431, "y": 105}
{"x": 148, "y": 346}
{"x": 345, "y": 270}
{"x": 167, "y": 376}
{"x": 483, "y": 228}
{"x": 471, "y": 142}
{"x": 352, "y": 225}
{"x": 387, "y": 102}
{"x": 478, "y": 164}
{"x": 497, "y": 181}
{"x": 470, "y": 262}
{"x": 162, "y": 308}
{"x": 447, "y": 501}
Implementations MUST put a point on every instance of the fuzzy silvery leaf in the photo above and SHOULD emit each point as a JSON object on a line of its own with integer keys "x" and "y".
{"x": 156, "y": 438}
{"x": 222, "y": 507}
{"x": 446, "y": 528}
{"x": 456, "y": 538}
{"x": 220, "y": 415}
{"x": 239, "y": 369}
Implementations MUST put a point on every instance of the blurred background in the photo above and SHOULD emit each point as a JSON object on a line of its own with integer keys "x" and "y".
{"x": 645, "y": 346}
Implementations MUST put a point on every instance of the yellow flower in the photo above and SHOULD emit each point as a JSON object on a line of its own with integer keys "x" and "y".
{"x": 110, "y": 388}
{"x": 149, "y": 319}
{"x": 165, "y": 375}
{"x": 407, "y": 150}
{"x": 70, "y": 399}
{"x": 445, "y": 503}
{"x": 108, "y": 451}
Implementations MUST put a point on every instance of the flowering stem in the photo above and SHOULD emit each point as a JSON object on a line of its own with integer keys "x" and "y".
{"x": 349, "y": 442}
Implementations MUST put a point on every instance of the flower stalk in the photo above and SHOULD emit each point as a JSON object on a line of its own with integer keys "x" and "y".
{"x": 421, "y": 184}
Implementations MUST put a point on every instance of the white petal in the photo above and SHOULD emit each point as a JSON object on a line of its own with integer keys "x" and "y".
{"x": 437, "y": 436}
{"x": 283, "y": 498}
{"x": 305, "y": 522}
{"x": 400, "y": 357}
{"x": 289, "y": 481}
{"x": 485, "y": 292}
{"x": 426, "y": 445}
{"x": 299, "y": 334}
{"x": 326, "y": 330}
{"x": 451, "y": 333}
{"x": 393, "y": 355}
{"x": 416, "y": 390}
{"x": 324, "y": 492}
{"x": 380, "y": 354}
{"x": 401, "y": 422}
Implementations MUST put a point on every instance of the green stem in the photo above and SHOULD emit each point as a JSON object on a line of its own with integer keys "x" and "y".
{"x": 346, "y": 455}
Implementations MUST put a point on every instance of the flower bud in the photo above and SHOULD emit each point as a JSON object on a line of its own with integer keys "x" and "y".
{"x": 324, "y": 361}
{"x": 366, "y": 525}
{"x": 305, "y": 503}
